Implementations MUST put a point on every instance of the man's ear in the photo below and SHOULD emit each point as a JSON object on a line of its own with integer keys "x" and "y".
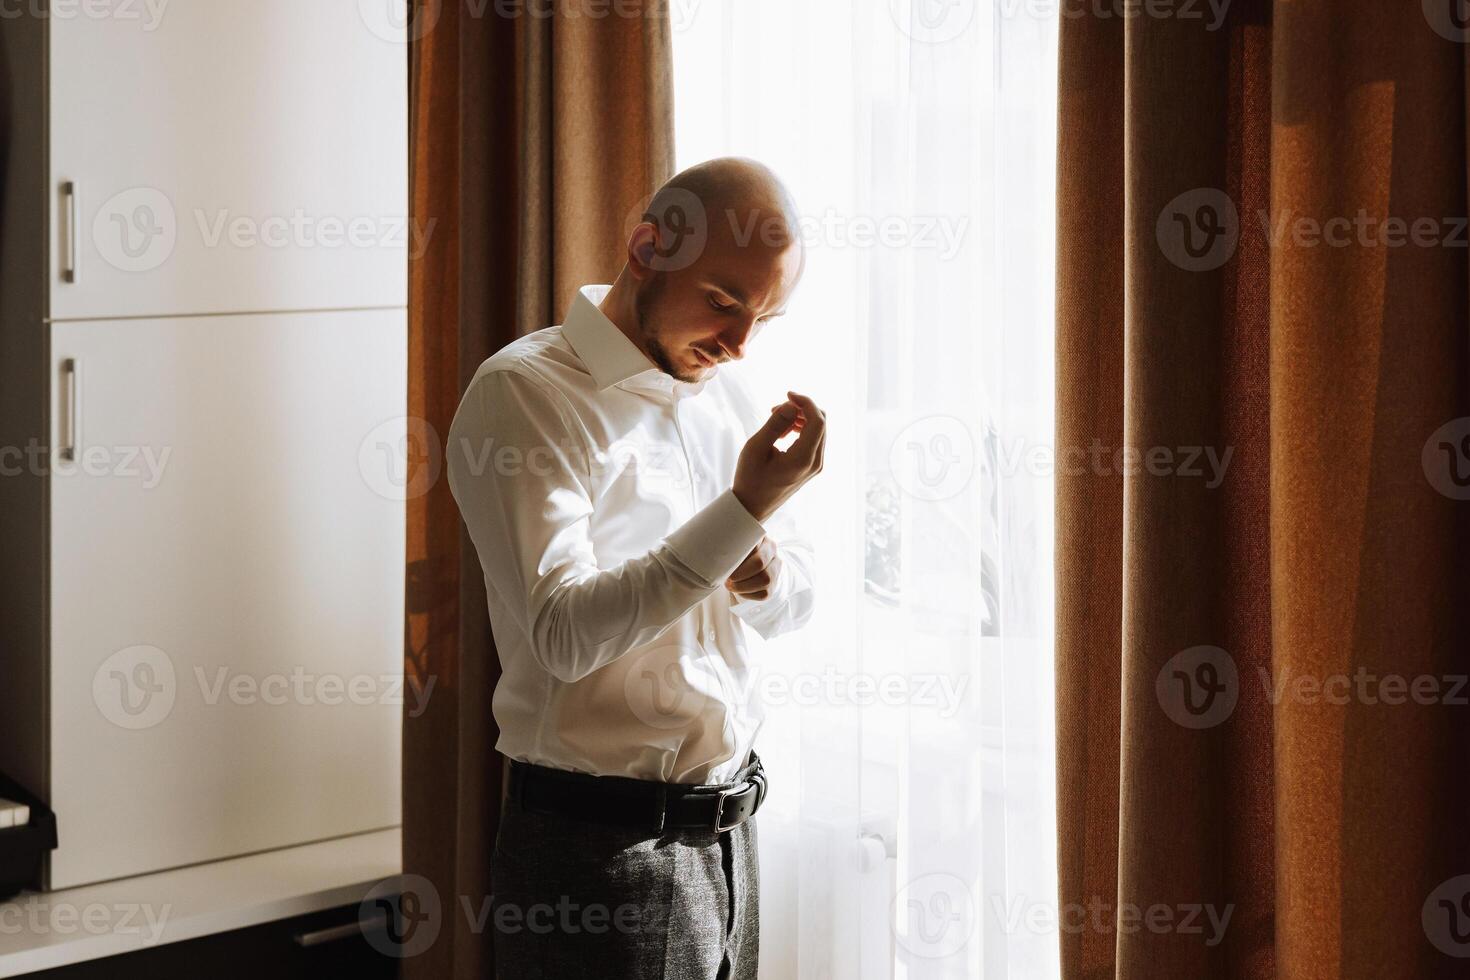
{"x": 643, "y": 250}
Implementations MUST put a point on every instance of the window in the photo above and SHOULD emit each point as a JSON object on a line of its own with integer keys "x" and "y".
{"x": 909, "y": 728}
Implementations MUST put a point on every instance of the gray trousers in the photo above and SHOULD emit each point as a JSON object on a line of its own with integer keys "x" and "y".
{"x": 573, "y": 899}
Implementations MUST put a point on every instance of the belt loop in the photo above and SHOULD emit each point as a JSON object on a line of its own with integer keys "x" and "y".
{"x": 663, "y": 809}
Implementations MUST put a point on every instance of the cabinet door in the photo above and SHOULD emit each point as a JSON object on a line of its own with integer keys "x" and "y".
{"x": 213, "y": 156}
{"x": 226, "y": 581}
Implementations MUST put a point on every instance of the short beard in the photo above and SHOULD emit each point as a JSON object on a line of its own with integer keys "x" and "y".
{"x": 645, "y": 305}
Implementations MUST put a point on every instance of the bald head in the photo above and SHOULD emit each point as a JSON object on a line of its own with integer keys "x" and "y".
{"x": 714, "y": 260}
{"x": 736, "y": 198}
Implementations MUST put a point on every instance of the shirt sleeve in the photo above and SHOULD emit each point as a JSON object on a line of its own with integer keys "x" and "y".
{"x": 793, "y": 595}
{"x": 518, "y": 469}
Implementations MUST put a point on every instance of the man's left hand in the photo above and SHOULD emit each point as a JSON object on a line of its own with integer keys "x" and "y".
{"x": 754, "y": 577}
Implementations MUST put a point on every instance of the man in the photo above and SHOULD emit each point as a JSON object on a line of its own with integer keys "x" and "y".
{"x": 622, "y": 493}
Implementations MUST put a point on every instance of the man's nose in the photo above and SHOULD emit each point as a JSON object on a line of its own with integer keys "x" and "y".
{"x": 734, "y": 340}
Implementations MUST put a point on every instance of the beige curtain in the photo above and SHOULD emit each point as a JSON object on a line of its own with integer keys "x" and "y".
{"x": 533, "y": 140}
{"x": 1332, "y": 556}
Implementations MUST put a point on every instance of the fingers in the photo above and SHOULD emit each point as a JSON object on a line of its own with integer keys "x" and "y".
{"x": 808, "y": 445}
{"x": 780, "y": 422}
{"x": 758, "y": 584}
{"x": 761, "y": 559}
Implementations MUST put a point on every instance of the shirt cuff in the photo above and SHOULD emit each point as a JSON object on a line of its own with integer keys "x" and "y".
{"x": 716, "y": 540}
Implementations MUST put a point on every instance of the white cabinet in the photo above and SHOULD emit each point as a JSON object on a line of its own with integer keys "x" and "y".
{"x": 222, "y": 156}
{"x": 202, "y": 372}
{"x": 225, "y": 640}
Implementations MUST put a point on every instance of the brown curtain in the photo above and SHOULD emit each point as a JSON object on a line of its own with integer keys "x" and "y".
{"x": 533, "y": 139}
{"x": 1330, "y": 559}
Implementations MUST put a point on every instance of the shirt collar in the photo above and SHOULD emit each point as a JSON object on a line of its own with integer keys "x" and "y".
{"x": 610, "y": 357}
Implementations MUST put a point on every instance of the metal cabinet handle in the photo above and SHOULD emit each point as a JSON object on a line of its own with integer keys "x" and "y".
{"x": 71, "y": 384}
{"x": 70, "y": 217}
{"x": 337, "y": 933}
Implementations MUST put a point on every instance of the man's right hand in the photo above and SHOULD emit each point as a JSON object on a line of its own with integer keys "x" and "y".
{"x": 765, "y": 476}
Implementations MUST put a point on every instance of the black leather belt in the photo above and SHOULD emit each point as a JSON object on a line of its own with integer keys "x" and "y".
{"x": 639, "y": 803}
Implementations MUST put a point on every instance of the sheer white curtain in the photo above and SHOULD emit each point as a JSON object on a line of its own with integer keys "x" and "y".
{"x": 909, "y": 727}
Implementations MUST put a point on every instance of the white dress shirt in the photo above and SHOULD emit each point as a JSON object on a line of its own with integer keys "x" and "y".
{"x": 596, "y": 489}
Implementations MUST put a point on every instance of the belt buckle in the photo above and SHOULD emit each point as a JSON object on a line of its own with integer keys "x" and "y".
{"x": 722, "y": 796}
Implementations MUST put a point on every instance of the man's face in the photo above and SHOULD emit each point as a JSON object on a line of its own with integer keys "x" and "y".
{"x": 694, "y": 318}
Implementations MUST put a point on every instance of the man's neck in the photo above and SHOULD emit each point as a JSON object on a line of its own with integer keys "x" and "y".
{"x": 617, "y": 306}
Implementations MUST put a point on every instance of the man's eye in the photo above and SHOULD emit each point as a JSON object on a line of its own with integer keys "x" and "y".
{"x": 722, "y": 307}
